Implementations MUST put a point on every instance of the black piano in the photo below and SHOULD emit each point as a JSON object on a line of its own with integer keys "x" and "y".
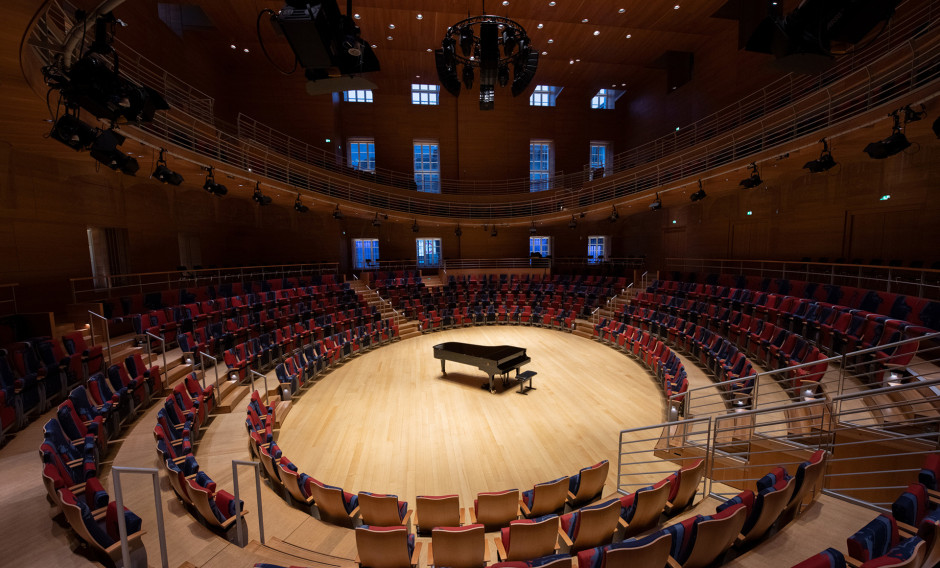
{"x": 492, "y": 360}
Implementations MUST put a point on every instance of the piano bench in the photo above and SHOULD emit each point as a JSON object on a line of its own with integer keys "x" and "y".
{"x": 522, "y": 378}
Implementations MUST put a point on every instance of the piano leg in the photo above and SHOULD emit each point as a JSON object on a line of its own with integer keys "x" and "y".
{"x": 492, "y": 390}
{"x": 443, "y": 371}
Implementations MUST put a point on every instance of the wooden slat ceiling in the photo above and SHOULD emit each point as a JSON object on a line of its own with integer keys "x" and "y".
{"x": 609, "y": 58}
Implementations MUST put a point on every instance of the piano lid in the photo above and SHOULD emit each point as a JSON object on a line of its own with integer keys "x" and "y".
{"x": 492, "y": 352}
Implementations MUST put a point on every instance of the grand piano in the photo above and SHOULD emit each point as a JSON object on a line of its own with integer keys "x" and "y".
{"x": 492, "y": 360}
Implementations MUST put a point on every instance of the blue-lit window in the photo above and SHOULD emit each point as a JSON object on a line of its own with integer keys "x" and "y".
{"x": 425, "y": 94}
{"x": 605, "y": 98}
{"x": 541, "y": 246}
{"x": 365, "y": 254}
{"x": 544, "y": 96}
{"x": 427, "y": 167}
{"x": 597, "y": 249}
{"x": 599, "y": 159}
{"x": 358, "y": 96}
{"x": 428, "y": 252}
{"x": 541, "y": 164}
{"x": 362, "y": 154}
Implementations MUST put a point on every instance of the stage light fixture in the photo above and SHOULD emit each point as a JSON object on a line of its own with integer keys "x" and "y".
{"x": 458, "y": 231}
{"x": 657, "y": 204}
{"x": 105, "y": 150}
{"x": 824, "y": 163}
{"x": 698, "y": 195}
{"x": 751, "y": 181}
{"x": 532, "y": 229}
{"x": 260, "y": 198}
{"x": 911, "y": 115}
{"x": 613, "y": 214}
{"x": 163, "y": 174}
{"x": 337, "y": 214}
{"x": 573, "y": 223}
{"x": 216, "y": 189}
{"x": 74, "y": 133}
{"x": 375, "y": 220}
{"x": 494, "y": 232}
{"x": 891, "y": 145}
{"x": 299, "y": 206}
{"x": 414, "y": 227}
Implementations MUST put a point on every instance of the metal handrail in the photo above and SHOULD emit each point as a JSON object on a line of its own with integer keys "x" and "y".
{"x": 107, "y": 332}
{"x": 202, "y": 361}
{"x": 264, "y": 378}
{"x": 116, "y": 472}
{"x": 162, "y": 349}
{"x": 671, "y": 430}
{"x": 238, "y": 504}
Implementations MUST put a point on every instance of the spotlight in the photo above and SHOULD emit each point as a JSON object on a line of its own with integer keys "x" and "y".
{"x": 509, "y": 40}
{"x": 656, "y": 205}
{"x": 494, "y": 233}
{"x": 260, "y": 198}
{"x": 911, "y": 115}
{"x": 375, "y": 221}
{"x": 74, "y": 133}
{"x": 466, "y": 41}
{"x": 105, "y": 150}
{"x": 573, "y": 223}
{"x": 414, "y": 227}
{"x": 698, "y": 195}
{"x": 750, "y": 182}
{"x": 163, "y": 174}
{"x": 613, "y": 214}
{"x": 532, "y": 229}
{"x": 212, "y": 187}
{"x": 888, "y": 147}
{"x": 458, "y": 231}
{"x": 337, "y": 214}
{"x": 824, "y": 163}
{"x": 299, "y": 206}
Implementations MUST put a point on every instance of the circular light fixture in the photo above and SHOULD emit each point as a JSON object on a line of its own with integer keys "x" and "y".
{"x": 551, "y": 3}
{"x": 597, "y": 32}
{"x": 544, "y": 53}
{"x": 391, "y": 26}
{"x": 571, "y": 62}
{"x": 420, "y": 16}
{"x": 389, "y": 38}
{"x": 622, "y": 10}
{"x": 356, "y": 16}
{"x": 232, "y": 46}
{"x": 629, "y": 36}
{"x": 246, "y": 50}
{"x": 676, "y": 7}
{"x": 551, "y": 40}
{"x": 505, "y": 2}
{"x": 584, "y": 21}
{"x": 540, "y": 26}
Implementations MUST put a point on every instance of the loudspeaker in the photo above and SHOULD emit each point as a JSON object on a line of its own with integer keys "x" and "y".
{"x": 524, "y": 71}
{"x": 447, "y": 73}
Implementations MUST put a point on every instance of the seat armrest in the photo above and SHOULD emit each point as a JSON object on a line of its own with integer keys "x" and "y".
{"x": 571, "y": 496}
{"x": 462, "y": 515}
{"x": 354, "y": 513}
{"x": 904, "y": 527}
{"x": 416, "y": 555}
{"x": 500, "y": 551}
{"x": 672, "y": 562}
{"x": 408, "y": 517}
{"x": 430, "y": 554}
{"x": 473, "y": 515}
{"x": 525, "y": 510}
{"x": 564, "y": 537}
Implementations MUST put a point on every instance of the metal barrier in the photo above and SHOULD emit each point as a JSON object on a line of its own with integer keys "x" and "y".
{"x": 238, "y": 503}
{"x": 649, "y": 453}
{"x": 162, "y": 341}
{"x": 202, "y": 362}
{"x": 158, "y": 506}
{"x": 107, "y": 332}
{"x": 921, "y": 282}
{"x": 264, "y": 378}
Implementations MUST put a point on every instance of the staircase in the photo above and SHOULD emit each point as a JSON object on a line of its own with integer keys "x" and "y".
{"x": 406, "y": 328}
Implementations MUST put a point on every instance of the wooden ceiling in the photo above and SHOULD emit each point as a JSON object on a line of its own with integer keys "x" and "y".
{"x": 607, "y": 59}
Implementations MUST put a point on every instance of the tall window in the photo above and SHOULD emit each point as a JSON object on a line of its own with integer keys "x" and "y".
{"x": 600, "y": 164}
{"x": 605, "y": 98}
{"x": 365, "y": 254}
{"x": 541, "y": 246}
{"x": 425, "y": 94}
{"x": 597, "y": 249}
{"x": 541, "y": 164}
{"x": 362, "y": 154}
{"x": 358, "y": 96}
{"x": 544, "y": 96}
{"x": 428, "y": 252}
{"x": 427, "y": 166}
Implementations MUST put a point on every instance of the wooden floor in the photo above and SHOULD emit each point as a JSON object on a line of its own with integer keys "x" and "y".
{"x": 387, "y": 421}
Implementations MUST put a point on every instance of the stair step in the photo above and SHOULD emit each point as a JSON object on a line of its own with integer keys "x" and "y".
{"x": 409, "y": 334}
{"x": 582, "y": 333}
{"x": 232, "y": 394}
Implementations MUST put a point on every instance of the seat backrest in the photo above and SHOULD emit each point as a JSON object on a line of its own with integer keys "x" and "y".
{"x": 437, "y": 511}
{"x": 379, "y": 510}
{"x": 459, "y": 547}
{"x": 531, "y": 539}
{"x": 330, "y": 502}
{"x": 549, "y": 497}
{"x": 648, "y": 506}
{"x": 806, "y": 479}
{"x": 383, "y": 547}
{"x": 591, "y": 482}
{"x": 497, "y": 509}
{"x": 713, "y": 537}
{"x": 652, "y": 550}
{"x": 597, "y": 525}
{"x": 689, "y": 478}
{"x": 773, "y": 505}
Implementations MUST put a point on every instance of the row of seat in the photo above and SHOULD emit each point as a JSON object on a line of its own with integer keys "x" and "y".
{"x": 135, "y": 304}
{"x": 433, "y": 318}
{"x": 908, "y": 537}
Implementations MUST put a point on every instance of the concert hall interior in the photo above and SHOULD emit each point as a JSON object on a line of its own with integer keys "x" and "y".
{"x": 242, "y": 242}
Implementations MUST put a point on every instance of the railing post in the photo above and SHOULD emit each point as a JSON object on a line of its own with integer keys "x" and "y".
{"x": 238, "y": 503}
{"x": 158, "y": 505}
{"x": 265, "y": 379}
{"x": 202, "y": 361}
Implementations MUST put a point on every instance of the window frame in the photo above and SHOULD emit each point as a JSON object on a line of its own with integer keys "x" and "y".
{"x": 542, "y": 179}
{"x": 435, "y": 256}
{"x": 355, "y": 141}
{"x": 606, "y": 165}
{"x": 595, "y": 241}
{"x": 543, "y": 240}
{"x": 427, "y": 180}
{"x": 544, "y": 96}
{"x": 358, "y": 96}
{"x": 421, "y": 90}
{"x": 359, "y": 260}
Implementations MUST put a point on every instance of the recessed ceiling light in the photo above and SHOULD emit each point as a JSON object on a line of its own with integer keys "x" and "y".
{"x": 571, "y": 62}
{"x": 389, "y": 38}
{"x": 623, "y": 84}
{"x": 614, "y": 85}
{"x": 374, "y": 46}
{"x": 246, "y": 50}
{"x": 232, "y": 46}
{"x": 622, "y": 10}
{"x": 391, "y": 26}
{"x": 550, "y": 40}
{"x": 551, "y": 3}
{"x": 430, "y": 50}
{"x": 356, "y": 16}
{"x": 676, "y": 7}
{"x": 578, "y": 60}
{"x": 328, "y": 140}
{"x": 505, "y": 2}
{"x": 420, "y": 16}
{"x": 543, "y": 53}
{"x": 629, "y": 36}
{"x": 540, "y": 26}
{"x": 417, "y": 76}
{"x": 584, "y": 21}
{"x": 597, "y": 32}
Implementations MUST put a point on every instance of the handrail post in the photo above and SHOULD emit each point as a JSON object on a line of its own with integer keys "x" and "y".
{"x": 107, "y": 332}
{"x": 265, "y": 379}
{"x": 238, "y": 503}
{"x": 162, "y": 346}
{"x": 158, "y": 505}
{"x": 202, "y": 361}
